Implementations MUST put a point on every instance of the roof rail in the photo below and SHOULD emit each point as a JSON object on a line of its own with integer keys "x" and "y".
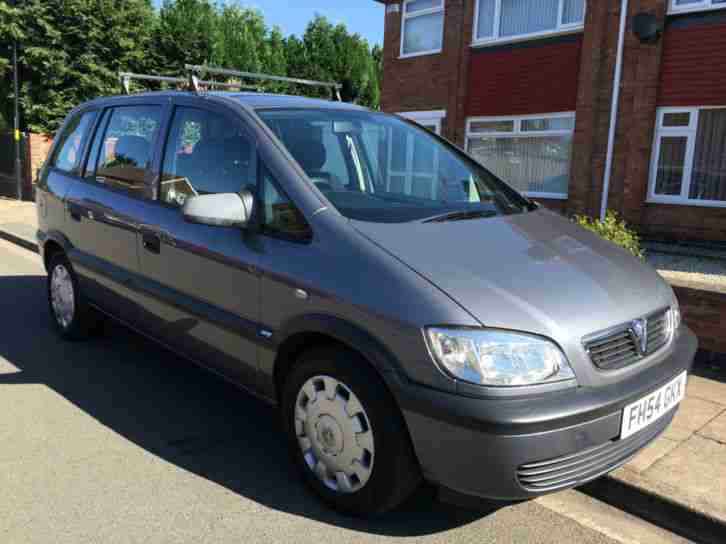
{"x": 203, "y": 69}
{"x": 192, "y": 83}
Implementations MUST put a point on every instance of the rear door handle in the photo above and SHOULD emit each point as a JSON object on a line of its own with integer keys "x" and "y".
{"x": 151, "y": 242}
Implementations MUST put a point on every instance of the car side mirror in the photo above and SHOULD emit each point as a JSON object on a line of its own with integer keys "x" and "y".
{"x": 219, "y": 210}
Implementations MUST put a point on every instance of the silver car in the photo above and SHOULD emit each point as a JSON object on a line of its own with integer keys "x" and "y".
{"x": 413, "y": 317}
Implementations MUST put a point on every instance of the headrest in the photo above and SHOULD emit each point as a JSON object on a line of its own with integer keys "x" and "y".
{"x": 310, "y": 154}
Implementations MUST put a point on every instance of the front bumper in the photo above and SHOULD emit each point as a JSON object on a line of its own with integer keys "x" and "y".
{"x": 522, "y": 448}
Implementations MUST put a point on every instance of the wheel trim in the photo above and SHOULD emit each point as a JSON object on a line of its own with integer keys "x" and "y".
{"x": 62, "y": 296}
{"x": 334, "y": 434}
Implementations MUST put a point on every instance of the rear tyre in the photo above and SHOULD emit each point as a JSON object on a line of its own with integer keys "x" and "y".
{"x": 346, "y": 435}
{"x": 73, "y": 318}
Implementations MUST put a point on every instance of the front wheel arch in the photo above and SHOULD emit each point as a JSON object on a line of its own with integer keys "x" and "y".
{"x": 309, "y": 332}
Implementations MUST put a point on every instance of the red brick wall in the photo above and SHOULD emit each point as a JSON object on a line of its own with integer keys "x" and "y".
{"x": 520, "y": 79}
{"x": 39, "y": 147}
{"x": 427, "y": 82}
{"x": 705, "y": 313}
{"x": 678, "y": 222}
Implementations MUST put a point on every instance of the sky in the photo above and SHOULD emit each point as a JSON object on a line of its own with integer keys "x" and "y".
{"x": 365, "y": 17}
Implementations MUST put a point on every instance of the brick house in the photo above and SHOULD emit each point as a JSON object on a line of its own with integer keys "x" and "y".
{"x": 528, "y": 87}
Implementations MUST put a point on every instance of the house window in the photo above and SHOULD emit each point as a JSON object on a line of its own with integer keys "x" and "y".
{"x": 680, "y": 6}
{"x": 510, "y": 20}
{"x": 422, "y": 32}
{"x": 531, "y": 153}
{"x": 689, "y": 157}
{"x": 430, "y": 120}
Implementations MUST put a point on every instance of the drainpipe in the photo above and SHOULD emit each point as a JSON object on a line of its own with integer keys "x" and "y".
{"x": 614, "y": 108}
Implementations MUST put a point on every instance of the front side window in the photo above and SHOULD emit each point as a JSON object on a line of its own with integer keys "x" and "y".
{"x": 279, "y": 216}
{"x": 510, "y": 19}
{"x": 679, "y": 6}
{"x": 67, "y": 156}
{"x": 205, "y": 153}
{"x": 533, "y": 154}
{"x": 124, "y": 153}
{"x": 422, "y": 29}
{"x": 689, "y": 157}
{"x": 395, "y": 171}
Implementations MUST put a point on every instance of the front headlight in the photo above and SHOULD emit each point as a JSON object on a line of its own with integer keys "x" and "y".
{"x": 498, "y": 358}
{"x": 675, "y": 315}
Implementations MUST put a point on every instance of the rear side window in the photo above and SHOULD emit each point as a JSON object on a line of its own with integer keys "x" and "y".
{"x": 123, "y": 150}
{"x": 205, "y": 153}
{"x": 67, "y": 156}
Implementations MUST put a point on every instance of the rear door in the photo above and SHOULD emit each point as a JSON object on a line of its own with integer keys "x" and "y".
{"x": 201, "y": 282}
{"x": 62, "y": 171}
{"x": 104, "y": 210}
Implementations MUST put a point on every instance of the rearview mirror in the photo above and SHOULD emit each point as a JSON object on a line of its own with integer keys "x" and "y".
{"x": 346, "y": 127}
{"x": 219, "y": 210}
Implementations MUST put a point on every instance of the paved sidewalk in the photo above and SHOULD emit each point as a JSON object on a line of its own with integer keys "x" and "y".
{"x": 685, "y": 467}
{"x": 18, "y": 222}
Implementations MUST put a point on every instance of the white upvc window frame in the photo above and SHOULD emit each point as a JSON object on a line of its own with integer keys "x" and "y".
{"x": 704, "y": 5}
{"x": 496, "y": 39}
{"x": 690, "y": 132}
{"x": 517, "y": 132}
{"x": 427, "y": 118}
{"x": 432, "y": 117}
{"x": 405, "y": 16}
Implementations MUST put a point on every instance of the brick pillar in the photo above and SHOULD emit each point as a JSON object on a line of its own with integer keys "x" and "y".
{"x": 599, "y": 50}
{"x": 391, "y": 49}
{"x": 462, "y": 19}
{"x": 636, "y": 119}
{"x": 636, "y": 116}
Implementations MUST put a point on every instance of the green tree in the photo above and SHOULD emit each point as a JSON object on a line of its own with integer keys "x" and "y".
{"x": 240, "y": 39}
{"x": 71, "y": 50}
{"x": 331, "y": 53}
{"x": 186, "y": 33}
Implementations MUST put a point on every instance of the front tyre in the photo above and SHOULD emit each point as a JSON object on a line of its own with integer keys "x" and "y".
{"x": 346, "y": 434}
{"x": 73, "y": 317}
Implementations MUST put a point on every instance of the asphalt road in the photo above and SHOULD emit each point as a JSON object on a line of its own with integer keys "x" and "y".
{"x": 118, "y": 440}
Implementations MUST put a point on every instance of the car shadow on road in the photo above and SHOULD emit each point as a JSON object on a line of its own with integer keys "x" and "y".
{"x": 182, "y": 414}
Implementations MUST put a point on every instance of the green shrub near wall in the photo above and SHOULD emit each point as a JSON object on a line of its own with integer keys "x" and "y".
{"x": 614, "y": 229}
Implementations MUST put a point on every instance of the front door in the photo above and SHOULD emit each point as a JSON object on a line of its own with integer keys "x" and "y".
{"x": 201, "y": 282}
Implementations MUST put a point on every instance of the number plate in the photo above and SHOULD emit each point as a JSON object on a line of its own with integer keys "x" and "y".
{"x": 651, "y": 408}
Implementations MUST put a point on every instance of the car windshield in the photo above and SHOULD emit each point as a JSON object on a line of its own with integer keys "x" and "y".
{"x": 377, "y": 167}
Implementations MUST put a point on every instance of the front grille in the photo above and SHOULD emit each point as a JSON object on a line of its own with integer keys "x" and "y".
{"x": 578, "y": 468}
{"x": 618, "y": 347}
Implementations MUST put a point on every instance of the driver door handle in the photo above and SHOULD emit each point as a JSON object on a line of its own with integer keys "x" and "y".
{"x": 151, "y": 242}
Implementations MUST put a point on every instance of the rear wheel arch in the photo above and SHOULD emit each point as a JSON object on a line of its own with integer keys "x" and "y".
{"x": 55, "y": 242}
{"x": 50, "y": 249}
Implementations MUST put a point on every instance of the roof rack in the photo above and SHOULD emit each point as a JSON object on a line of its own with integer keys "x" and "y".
{"x": 193, "y": 83}
{"x": 203, "y": 69}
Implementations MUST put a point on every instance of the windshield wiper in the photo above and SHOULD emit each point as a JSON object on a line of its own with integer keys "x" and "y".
{"x": 462, "y": 216}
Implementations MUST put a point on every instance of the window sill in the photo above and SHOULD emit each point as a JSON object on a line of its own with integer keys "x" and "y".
{"x": 682, "y": 202}
{"x": 547, "y": 196}
{"x": 403, "y": 56}
{"x": 694, "y": 9}
{"x": 477, "y": 44}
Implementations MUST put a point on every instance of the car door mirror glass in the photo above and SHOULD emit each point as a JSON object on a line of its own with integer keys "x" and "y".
{"x": 219, "y": 210}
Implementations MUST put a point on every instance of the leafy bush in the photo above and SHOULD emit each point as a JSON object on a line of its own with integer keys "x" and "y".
{"x": 615, "y": 230}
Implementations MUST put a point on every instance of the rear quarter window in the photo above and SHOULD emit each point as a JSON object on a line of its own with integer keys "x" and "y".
{"x": 69, "y": 150}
